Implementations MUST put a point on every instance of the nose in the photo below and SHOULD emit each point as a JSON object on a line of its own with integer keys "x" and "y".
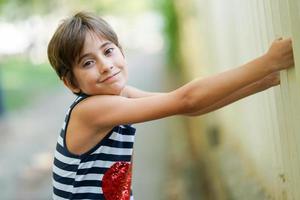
{"x": 105, "y": 66}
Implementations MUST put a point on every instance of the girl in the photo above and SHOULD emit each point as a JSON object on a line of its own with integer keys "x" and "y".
{"x": 93, "y": 156}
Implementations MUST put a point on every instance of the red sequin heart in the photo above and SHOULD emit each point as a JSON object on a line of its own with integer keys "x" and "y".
{"x": 116, "y": 182}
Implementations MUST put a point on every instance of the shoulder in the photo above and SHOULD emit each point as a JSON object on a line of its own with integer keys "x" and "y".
{"x": 94, "y": 109}
{"x": 95, "y": 103}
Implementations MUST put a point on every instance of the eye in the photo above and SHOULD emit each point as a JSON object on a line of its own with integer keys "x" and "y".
{"x": 108, "y": 51}
{"x": 88, "y": 63}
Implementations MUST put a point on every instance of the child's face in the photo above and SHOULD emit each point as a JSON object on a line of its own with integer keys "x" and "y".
{"x": 100, "y": 69}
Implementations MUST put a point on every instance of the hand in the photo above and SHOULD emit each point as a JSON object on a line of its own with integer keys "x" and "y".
{"x": 280, "y": 54}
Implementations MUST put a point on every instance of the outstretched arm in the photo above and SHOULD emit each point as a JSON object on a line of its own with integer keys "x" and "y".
{"x": 258, "y": 86}
{"x": 252, "y": 88}
{"x": 194, "y": 96}
{"x": 202, "y": 93}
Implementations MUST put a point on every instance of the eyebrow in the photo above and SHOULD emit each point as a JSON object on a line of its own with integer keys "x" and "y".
{"x": 87, "y": 54}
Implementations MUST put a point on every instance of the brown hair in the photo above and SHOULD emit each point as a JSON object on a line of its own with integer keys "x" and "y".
{"x": 67, "y": 42}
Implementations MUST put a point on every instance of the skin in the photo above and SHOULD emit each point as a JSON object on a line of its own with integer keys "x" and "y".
{"x": 100, "y": 59}
{"x": 113, "y": 103}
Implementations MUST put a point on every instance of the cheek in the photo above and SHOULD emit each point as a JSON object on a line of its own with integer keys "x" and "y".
{"x": 88, "y": 78}
{"x": 124, "y": 70}
{"x": 125, "y": 74}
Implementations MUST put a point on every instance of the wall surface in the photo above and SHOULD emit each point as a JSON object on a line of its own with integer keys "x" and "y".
{"x": 253, "y": 143}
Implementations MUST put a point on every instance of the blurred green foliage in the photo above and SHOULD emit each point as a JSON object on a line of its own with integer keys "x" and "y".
{"x": 168, "y": 11}
{"x": 20, "y": 9}
{"x": 23, "y": 80}
{"x": 25, "y": 8}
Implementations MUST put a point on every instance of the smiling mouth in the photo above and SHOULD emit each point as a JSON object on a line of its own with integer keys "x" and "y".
{"x": 110, "y": 77}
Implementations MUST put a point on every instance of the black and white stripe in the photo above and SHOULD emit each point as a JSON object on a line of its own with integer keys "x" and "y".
{"x": 80, "y": 177}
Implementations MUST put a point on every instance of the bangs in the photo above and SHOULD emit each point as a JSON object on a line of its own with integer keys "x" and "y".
{"x": 97, "y": 29}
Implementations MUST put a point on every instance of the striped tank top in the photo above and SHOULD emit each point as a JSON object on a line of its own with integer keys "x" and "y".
{"x": 104, "y": 172}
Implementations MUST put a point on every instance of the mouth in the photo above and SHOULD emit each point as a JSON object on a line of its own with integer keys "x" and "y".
{"x": 110, "y": 77}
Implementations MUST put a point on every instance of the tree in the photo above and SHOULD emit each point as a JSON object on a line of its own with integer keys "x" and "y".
{"x": 1, "y": 98}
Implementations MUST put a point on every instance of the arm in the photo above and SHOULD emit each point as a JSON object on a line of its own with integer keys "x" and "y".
{"x": 261, "y": 85}
{"x": 258, "y": 86}
{"x": 111, "y": 110}
{"x": 215, "y": 88}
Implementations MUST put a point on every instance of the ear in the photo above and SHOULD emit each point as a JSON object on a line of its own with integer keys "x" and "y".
{"x": 70, "y": 85}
